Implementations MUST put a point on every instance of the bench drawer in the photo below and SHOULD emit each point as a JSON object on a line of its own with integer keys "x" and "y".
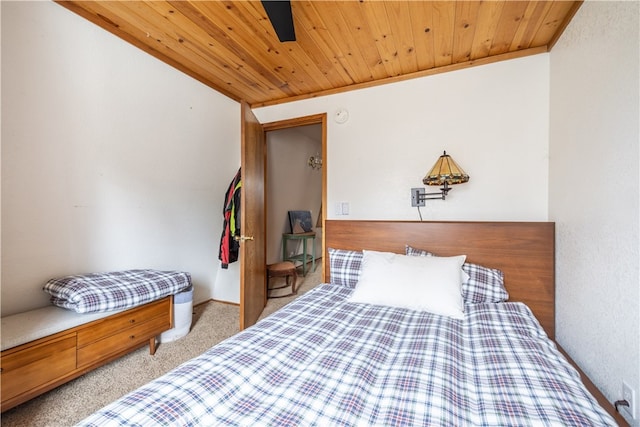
{"x": 30, "y": 369}
{"x": 122, "y": 340}
{"x": 101, "y": 329}
{"x": 34, "y": 366}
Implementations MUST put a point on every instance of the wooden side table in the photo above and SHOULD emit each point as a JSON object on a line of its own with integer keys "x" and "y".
{"x": 304, "y": 257}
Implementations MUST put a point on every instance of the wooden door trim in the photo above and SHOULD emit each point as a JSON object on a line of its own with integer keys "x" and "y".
{"x": 295, "y": 122}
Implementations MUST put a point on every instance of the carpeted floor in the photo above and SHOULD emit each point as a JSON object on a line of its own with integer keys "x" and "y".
{"x": 72, "y": 402}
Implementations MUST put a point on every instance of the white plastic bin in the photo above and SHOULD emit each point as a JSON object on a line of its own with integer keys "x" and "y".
{"x": 182, "y": 315}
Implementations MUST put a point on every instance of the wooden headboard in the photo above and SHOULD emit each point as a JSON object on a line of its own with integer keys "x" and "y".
{"x": 524, "y": 251}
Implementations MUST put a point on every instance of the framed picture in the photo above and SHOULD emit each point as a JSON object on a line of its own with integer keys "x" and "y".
{"x": 300, "y": 221}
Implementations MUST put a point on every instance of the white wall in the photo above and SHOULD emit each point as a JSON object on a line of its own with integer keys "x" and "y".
{"x": 492, "y": 119}
{"x": 110, "y": 158}
{"x": 292, "y": 185}
{"x": 594, "y": 192}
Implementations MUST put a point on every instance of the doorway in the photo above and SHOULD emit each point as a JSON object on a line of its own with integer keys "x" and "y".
{"x": 291, "y": 183}
{"x": 253, "y": 280}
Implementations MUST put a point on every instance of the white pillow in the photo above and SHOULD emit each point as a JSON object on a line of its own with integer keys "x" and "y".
{"x": 430, "y": 284}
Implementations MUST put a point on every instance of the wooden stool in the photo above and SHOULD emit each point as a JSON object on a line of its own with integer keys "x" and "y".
{"x": 283, "y": 269}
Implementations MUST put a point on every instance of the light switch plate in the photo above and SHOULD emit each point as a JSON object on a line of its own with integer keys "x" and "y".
{"x": 345, "y": 208}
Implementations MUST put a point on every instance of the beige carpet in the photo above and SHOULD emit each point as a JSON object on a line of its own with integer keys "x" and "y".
{"x": 72, "y": 402}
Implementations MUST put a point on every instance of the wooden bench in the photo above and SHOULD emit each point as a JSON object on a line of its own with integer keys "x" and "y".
{"x": 47, "y": 347}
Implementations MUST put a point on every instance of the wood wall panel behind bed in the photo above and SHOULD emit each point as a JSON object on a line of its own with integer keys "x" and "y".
{"x": 524, "y": 251}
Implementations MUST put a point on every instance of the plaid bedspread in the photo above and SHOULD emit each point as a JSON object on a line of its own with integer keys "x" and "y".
{"x": 114, "y": 290}
{"x": 321, "y": 361}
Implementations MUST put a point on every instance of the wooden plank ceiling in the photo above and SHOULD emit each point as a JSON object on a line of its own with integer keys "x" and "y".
{"x": 341, "y": 45}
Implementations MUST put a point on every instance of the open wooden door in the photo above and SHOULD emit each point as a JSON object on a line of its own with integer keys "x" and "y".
{"x": 253, "y": 290}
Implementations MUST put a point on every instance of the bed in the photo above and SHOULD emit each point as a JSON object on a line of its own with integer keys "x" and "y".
{"x": 329, "y": 359}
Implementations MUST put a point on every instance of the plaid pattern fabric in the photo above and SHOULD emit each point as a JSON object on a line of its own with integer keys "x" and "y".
{"x": 345, "y": 267}
{"x": 411, "y": 251}
{"x": 483, "y": 285}
{"x": 321, "y": 361}
{"x": 116, "y": 290}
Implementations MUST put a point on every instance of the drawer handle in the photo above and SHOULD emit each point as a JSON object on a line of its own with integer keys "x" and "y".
{"x": 133, "y": 337}
{"x": 132, "y": 321}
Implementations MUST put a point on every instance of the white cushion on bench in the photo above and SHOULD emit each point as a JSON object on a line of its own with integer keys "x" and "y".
{"x": 31, "y": 325}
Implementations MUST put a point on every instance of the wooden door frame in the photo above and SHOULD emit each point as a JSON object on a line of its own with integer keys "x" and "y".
{"x": 314, "y": 119}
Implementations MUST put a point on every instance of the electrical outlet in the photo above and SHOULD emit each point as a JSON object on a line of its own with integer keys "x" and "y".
{"x": 629, "y": 394}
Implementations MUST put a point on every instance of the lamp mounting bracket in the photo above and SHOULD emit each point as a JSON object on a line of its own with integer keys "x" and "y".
{"x": 419, "y": 195}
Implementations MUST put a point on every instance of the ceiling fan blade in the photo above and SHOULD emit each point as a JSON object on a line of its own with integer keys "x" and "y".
{"x": 279, "y": 13}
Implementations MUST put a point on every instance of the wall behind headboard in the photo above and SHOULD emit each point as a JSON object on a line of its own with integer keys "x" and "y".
{"x": 492, "y": 119}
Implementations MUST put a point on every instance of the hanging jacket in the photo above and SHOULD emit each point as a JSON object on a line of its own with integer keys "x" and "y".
{"x": 229, "y": 246}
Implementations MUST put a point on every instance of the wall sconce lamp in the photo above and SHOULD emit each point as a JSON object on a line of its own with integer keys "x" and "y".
{"x": 445, "y": 172}
{"x": 315, "y": 162}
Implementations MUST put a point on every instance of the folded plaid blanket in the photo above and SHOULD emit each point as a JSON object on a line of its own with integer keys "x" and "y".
{"x": 116, "y": 290}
